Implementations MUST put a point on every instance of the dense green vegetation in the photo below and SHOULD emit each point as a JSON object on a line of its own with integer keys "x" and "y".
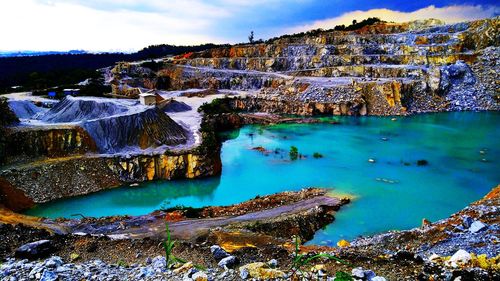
{"x": 216, "y": 106}
{"x": 315, "y": 32}
{"x": 7, "y": 117}
{"x": 41, "y": 72}
{"x": 94, "y": 87}
{"x": 44, "y": 71}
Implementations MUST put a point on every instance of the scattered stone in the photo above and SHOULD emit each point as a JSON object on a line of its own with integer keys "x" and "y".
{"x": 244, "y": 273}
{"x": 228, "y": 262}
{"x": 377, "y": 278}
{"x": 343, "y": 243}
{"x": 35, "y": 250}
{"x": 184, "y": 268}
{"x": 406, "y": 256}
{"x": 53, "y": 262}
{"x": 260, "y": 270}
{"x": 159, "y": 262}
{"x": 369, "y": 274}
{"x": 218, "y": 252}
{"x": 467, "y": 221}
{"x": 358, "y": 272}
{"x": 426, "y": 223}
{"x": 273, "y": 263}
{"x": 461, "y": 257}
{"x": 48, "y": 275}
{"x": 434, "y": 257}
{"x": 318, "y": 268}
{"x": 74, "y": 256}
{"x": 477, "y": 226}
{"x": 200, "y": 276}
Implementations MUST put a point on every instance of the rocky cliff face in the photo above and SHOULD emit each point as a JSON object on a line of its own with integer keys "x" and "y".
{"x": 85, "y": 145}
{"x": 63, "y": 141}
{"x": 383, "y": 69}
{"x": 49, "y": 180}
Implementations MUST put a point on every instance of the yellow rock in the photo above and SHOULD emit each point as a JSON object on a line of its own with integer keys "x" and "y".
{"x": 74, "y": 256}
{"x": 185, "y": 267}
{"x": 484, "y": 262}
{"x": 261, "y": 271}
{"x": 343, "y": 243}
{"x": 318, "y": 267}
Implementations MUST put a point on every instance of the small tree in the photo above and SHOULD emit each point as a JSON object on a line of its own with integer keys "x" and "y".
{"x": 250, "y": 37}
{"x": 294, "y": 153}
{"x": 354, "y": 22}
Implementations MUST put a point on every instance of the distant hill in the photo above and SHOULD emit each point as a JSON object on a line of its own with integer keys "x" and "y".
{"x": 39, "y": 70}
{"x": 38, "y": 53}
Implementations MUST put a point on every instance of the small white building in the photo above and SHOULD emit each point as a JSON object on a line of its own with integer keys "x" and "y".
{"x": 147, "y": 99}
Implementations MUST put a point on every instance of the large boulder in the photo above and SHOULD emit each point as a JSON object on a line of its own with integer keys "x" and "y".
{"x": 35, "y": 250}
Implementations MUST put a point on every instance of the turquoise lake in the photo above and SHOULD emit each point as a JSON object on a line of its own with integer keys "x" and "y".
{"x": 462, "y": 150}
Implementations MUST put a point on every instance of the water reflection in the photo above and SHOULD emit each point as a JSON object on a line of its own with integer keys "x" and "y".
{"x": 162, "y": 192}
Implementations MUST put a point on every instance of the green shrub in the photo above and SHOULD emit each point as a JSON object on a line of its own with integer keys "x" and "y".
{"x": 7, "y": 117}
{"x": 216, "y": 106}
{"x": 294, "y": 153}
{"x": 168, "y": 246}
{"x": 302, "y": 260}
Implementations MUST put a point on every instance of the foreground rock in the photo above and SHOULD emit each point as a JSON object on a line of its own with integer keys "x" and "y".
{"x": 437, "y": 251}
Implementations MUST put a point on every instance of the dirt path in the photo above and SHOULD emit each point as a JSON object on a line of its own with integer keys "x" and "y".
{"x": 154, "y": 225}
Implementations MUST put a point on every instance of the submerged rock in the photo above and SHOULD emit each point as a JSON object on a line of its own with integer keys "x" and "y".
{"x": 422, "y": 162}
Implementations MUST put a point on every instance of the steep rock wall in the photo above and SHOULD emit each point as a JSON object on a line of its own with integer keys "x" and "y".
{"x": 49, "y": 142}
{"x": 46, "y": 181}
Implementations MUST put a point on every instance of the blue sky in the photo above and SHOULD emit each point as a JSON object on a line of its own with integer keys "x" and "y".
{"x": 127, "y": 25}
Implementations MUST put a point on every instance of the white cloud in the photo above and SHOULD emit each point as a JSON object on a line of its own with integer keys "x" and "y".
{"x": 449, "y": 14}
{"x": 55, "y": 25}
{"x": 126, "y": 25}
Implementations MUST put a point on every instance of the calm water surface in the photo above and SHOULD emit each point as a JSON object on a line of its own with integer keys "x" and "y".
{"x": 462, "y": 150}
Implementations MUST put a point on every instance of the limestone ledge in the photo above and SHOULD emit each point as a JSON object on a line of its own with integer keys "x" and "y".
{"x": 60, "y": 141}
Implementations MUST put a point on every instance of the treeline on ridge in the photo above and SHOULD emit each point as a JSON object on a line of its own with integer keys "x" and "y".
{"x": 41, "y": 72}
